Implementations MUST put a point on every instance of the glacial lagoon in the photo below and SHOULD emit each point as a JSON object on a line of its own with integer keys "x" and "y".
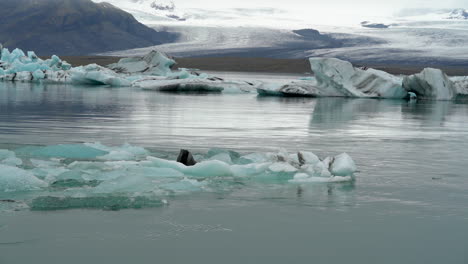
{"x": 407, "y": 204}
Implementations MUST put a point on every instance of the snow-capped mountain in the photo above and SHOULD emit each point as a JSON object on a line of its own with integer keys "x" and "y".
{"x": 458, "y": 13}
{"x": 73, "y": 27}
{"x": 149, "y": 11}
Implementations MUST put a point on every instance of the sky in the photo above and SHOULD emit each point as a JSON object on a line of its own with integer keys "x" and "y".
{"x": 323, "y": 12}
{"x": 380, "y": 8}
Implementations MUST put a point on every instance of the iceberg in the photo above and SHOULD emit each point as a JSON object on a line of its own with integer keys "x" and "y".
{"x": 208, "y": 85}
{"x": 434, "y": 84}
{"x": 14, "y": 179}
{"x": 93, "y": 175}
{"x": 9, "y": 158}
{"x": 153, "y": 63}
{"x": 152, "y": 72}
{"x": 338, "y": 78}
{"x": 17, "y": 66}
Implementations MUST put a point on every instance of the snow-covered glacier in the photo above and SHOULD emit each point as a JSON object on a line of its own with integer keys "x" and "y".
{"x": 93, "y": 175}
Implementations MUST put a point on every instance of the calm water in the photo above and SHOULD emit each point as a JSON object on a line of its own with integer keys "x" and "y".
{"x": 409, "y": 203}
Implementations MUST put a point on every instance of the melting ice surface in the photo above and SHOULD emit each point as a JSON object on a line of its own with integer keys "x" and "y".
{"x": 97, "y": 176}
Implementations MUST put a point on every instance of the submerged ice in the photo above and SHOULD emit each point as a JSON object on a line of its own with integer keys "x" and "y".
{"x": 98, "y": 176}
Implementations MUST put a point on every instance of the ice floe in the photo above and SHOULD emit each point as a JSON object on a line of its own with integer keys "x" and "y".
{"x": 93, "y": 175}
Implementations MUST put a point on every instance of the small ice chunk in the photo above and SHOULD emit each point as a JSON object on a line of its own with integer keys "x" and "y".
{"x": 224, "y": 157}
{"x": 38, "y": 75}
{"x": 15, "y": 179}
{"x": 210, "y": 168}
{"x": 282, "y": 167}
{"x": 8, "y": 157}
{"x": 320, "y": 169}
{"x": 305, "y": 157}
{"x": 343, "y": 165}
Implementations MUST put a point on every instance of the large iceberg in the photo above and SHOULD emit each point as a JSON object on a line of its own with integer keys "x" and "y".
{"x": 435, "y": 84}
{"x": 17, "y": 66}
{"x": 93, "y": 175}
{"x": 338, "y": 78}
{"x": 152, "y": 71}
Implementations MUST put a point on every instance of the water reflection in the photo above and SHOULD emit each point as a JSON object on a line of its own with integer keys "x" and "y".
{"x": 54, "y": 114}
{"x": 431, "y": 113}
{"x": 338, "y": 112}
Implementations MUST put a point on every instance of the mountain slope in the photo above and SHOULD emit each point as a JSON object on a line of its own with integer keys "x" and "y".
{"x": 73, "y": 27}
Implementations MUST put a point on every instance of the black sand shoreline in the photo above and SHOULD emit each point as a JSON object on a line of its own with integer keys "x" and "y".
{"x": 261, "y": 65}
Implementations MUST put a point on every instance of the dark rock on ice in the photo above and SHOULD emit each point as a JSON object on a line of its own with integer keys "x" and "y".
{"x": 186, "y": 158}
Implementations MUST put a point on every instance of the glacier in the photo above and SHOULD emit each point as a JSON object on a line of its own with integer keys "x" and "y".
{"x": 93, "y": 175}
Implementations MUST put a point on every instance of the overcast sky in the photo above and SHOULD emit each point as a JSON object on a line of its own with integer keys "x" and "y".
{"x": 345, "y": 6}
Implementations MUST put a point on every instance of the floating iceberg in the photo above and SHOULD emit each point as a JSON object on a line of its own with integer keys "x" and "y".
{"x": 338, "y": 78}
{"x": 93, "y": 175}
{"x": 17, "y": 66}
{"x": 153, "y": 63}
{"x": 435, "y": 84}
{"x": 213, "y": 85}
{"x": 152, "y": 71}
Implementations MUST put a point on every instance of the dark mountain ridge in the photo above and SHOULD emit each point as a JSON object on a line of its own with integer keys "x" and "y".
{"x": 73, "y": 27}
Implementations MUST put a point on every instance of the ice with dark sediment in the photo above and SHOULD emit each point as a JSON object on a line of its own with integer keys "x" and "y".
{"x": 93, "y": 175}
{"x": 153, "y": 63}
{"x": 338, "y": 78}
{"x": 210, "y": 84}
{"x": 435, "y": 84}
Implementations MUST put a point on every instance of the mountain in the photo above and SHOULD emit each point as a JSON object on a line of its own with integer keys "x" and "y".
{"x": 73, "y": 27}
{"x": 368, "y": 24}
{"x": 458, "y": 13}
{"x": 149, "y": 10}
